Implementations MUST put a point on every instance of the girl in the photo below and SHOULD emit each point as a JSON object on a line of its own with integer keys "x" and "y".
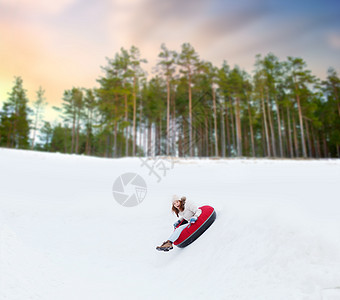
{"x": 188, "y": 212}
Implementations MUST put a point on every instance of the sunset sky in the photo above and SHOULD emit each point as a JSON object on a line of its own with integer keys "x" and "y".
{"x": 62, "y": 44}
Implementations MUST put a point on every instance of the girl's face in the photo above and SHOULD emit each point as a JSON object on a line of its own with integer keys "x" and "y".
{"x": 177, "y": 203}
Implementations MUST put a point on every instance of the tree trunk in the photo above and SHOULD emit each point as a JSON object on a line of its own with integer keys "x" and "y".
{"x": 77, "y": 136}
{"x": 167, "y": 114}
{"x": 87, "y": 142}
{"x": 228, "y": 129}
{"x": 174, "y": 127}
{"x": 156, "y": 138}
{"x": 222, "y": 134}
{"x": 251, "y": 131}
{"x": 271, "y": 127}
{"x": 14, "y": 141}
{"x": 201, "y": 142}
{"x": 263, "y": 143}
{"x": 88, "y": 133}
{"x": 126, "y": 127}
{"x": 190, "y": 115}
{"x": 232, "y": 124}
{"x": 285, "y": 144}
{"x": 290, "y": 134}
{"x": 304, "y": 152}
{"x": 245, "y": 138}
{"x": 115, "y": 140}
{"x": 35, "y": 127}
{"x": 149, "y": 137}
{"x": 265, "y": 124}
{"x": 215, "y": 120}
{"x": 206, "y": 136}
{"x": 107, "y": 152}
{"x": 185, "y": 139}
{"x": 238, "y": 128}
{"x": 145, "y": 149}
{"x": 160, "y": 136}
{"x": 140, "y": 124}
{"x": 296, "y": 144}
{"x": 279, "y": 126}
{"x": 308, "y": 140}
{"x": 180, "y": 142}
{"x": 90, "y": 140}
{"x": 210, "y": 144}
{"x": 134, "y": 117}
{"x": 73, "y": 131}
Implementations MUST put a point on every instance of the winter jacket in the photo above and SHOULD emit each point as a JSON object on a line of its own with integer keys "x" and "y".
{"x": 190, "y": 210}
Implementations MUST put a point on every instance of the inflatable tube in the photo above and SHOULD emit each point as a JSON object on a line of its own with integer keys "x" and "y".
{"x": 194, "y": 231}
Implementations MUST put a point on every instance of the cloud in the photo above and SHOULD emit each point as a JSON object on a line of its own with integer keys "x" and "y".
{"x": 146, "y": 20}
{"x": 40, "y": 6}
{"x": 217, "y": 27}
{"x": 173, "y": 15}
{"x": 203, "y": 23}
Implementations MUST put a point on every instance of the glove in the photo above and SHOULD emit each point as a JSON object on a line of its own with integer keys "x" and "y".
{"x": 177, "y": 223}
{"x": 193, "y": 220}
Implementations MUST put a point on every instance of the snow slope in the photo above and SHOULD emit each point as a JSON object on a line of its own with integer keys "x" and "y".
{"x": 63, "y": 235}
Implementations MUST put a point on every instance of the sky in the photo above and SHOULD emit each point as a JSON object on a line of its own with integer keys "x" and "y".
{"x": 63, "y": 44}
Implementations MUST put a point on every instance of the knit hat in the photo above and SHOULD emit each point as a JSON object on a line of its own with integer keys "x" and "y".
{"x": 175, "y": 198}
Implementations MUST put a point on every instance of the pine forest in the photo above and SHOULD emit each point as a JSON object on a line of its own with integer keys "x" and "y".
{"x": 187, "y": 107}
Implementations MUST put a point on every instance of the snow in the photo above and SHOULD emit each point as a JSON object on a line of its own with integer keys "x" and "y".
{"x": 63, "y": 235}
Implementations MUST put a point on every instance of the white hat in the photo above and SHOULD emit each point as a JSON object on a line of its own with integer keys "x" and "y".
{"x": 175, "y": 198}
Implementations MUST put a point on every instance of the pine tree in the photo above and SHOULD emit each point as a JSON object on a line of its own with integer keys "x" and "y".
{"x": 39, "y": 106}
{"x": 260, "y": 83}
{"x": 224, "y": 91}
{"x": 330, "y": 117}
{"x": 167, "y": 63}
{"x": 210, "y": 74}
{"x": 46, "y": 135}
{"x": 188, "y": 60}
{"x": 298, "y": 78}
{"x": 114, "y": 97}
{"x": 14, "y": 118}
{"x": 136, "y": 73}
{"x": 90, "y": 107}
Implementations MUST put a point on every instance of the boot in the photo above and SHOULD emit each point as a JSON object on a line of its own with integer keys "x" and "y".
{"x": 166, "y": 246}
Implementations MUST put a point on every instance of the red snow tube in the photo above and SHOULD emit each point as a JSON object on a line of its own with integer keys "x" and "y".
{"x": 190, "y": 234}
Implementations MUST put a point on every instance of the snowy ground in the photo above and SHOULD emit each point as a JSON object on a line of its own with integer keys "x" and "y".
{"x": 63, "y": 235}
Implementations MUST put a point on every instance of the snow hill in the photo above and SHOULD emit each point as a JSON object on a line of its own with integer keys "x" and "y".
{"x": 64, "y": 236}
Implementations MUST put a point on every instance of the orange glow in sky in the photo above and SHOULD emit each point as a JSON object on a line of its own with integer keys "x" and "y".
{"x": 62, "y": 44}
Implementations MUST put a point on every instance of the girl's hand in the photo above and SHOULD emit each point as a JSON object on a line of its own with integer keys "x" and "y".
{"x": 193, "y": 220}
{"x": 177, "y": 223}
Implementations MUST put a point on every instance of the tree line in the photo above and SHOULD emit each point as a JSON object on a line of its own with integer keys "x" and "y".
{"x": 189, "y": 107}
